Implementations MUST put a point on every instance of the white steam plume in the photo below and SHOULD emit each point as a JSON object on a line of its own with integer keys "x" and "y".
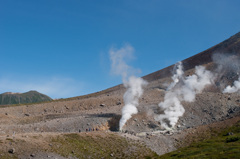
{"x": 228, "y": 65}
{"x": 134, "y": 91}
{"x": 182, "y": 89}
{"x": 177, "y": 76}
{"x": 234, "y": 88}
{"x": 118, "y": 59}
{"x": 133, "y": 84}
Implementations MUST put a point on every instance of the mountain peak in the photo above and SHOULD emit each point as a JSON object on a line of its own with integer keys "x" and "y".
{"x": 22, "y": 98}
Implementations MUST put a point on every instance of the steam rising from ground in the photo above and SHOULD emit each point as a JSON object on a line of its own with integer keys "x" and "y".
{"x": 134, "y": 91}
{"x": 228, "y": 65}
{"x": 182, "y": 89}
{"x": 177, "y": 76}
{"x": 234, "y": 88}
{"x": 133, "y": 84}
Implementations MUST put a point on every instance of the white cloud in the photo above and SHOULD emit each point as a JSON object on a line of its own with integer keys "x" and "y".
{"x": 55, "y": 87}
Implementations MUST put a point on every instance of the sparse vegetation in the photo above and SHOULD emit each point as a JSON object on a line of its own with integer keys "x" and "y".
{"x": 23, "y": 98}
{"x": 224, "y": 145}
{"x": 8, "y": 156}
{"x": 100, "y": 145}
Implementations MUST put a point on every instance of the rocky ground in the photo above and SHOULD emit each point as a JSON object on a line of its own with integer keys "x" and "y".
{"x": 25, "y": 130}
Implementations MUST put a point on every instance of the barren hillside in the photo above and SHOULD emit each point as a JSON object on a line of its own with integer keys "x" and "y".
{"x": 49, "y": 127}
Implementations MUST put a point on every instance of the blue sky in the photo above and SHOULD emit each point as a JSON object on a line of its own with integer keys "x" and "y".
{"x": 61, "y": 47}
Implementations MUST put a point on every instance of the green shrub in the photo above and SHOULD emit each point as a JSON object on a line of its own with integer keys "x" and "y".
{"x": 232, "y": 139}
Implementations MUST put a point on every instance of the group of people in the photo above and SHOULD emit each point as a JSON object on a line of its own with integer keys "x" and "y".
{"x": 92, "y": 129}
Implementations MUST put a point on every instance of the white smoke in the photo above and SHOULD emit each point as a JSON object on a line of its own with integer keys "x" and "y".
{"x": 228, "y": 65}
{"x": 182, "y": 89}
{"x": 133, "y": 84}
{"x": 234, "y": 88}
{"x": 177, "y": 76}
{"x": 196, "y": 83}
{"x": 227, "y": 68}
{"x": 118, "y": 59}
{"x": 134, "y": 91}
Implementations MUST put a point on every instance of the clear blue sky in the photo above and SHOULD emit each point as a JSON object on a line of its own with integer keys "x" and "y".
{"x": 60, "y": 47}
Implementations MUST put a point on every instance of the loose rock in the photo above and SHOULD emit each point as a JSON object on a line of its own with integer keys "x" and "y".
{"x": 102, "y": 105}
{"x": 32, "y": 155}
{"x": 12, "y": 151}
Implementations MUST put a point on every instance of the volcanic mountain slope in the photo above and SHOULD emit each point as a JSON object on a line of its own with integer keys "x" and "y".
{"x": 229, "y": 47}
{"x": 61, "y": 128}
{"x": 227, "y": 50}
{"x": 9, "y": 98}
